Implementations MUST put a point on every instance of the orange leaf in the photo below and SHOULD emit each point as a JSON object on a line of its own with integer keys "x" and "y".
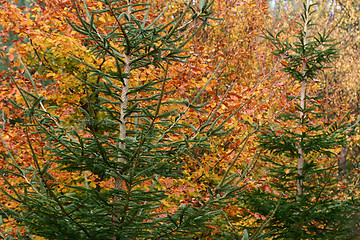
{"x": 11, "y": 57}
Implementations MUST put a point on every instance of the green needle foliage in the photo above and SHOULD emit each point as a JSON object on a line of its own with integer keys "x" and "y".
{"x": 128, "y": 146}
{"x": 309, "y": 207}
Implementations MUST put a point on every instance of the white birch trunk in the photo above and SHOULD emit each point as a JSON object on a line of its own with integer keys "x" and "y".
{"x": 119, "y": 184}
{"x": 124, "y": 105}
{"x": 300, "y": 163}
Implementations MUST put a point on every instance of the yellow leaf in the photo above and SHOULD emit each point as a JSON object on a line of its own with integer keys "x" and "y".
{"x": 102, "y": 19}
{"x": 246, "y": 117}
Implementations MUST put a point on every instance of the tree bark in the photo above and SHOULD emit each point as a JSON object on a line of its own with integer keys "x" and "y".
{"x": 300, "y": 163}
{"x": 119, "y": 183}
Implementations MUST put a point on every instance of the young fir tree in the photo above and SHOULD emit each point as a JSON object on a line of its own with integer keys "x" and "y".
{"x": 126, "y": 135}
{"x": 308, "y": 207}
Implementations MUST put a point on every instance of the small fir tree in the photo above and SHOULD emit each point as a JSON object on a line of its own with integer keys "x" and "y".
{"x": 309, "y": 207}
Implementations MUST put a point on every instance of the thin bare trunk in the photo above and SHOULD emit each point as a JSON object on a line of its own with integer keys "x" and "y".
{"x": 300, "y": 149}
{"x": 124, "y": 105}
{"x": 300, "y": 163}
{"x": 119, "y": 184}
{"x": 123, "y": 119}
